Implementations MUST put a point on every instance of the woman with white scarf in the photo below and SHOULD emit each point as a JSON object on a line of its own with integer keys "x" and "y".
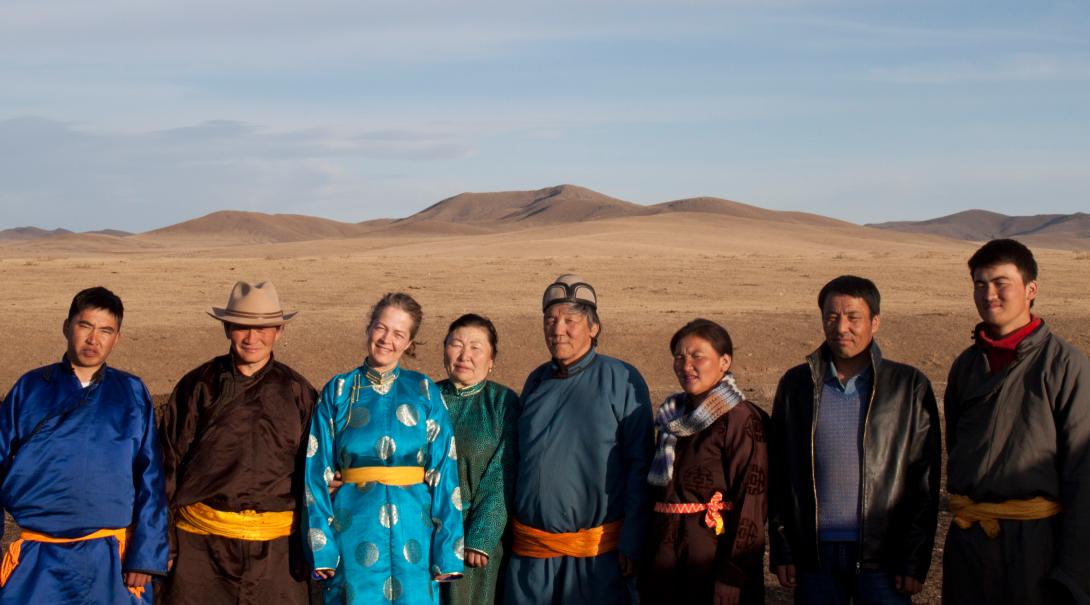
{"x": 709, "y": 481}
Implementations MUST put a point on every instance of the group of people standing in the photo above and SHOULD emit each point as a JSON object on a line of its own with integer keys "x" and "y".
{"x": 388, "y": 487}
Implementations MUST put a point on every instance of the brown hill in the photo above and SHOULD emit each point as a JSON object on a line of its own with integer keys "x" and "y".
{"x": 1067, "y": 230}
{"x": 552, "y": 205}
{"x": 258, "y": 227}
{"x": 715, "y": 205}
{"x": 19, "y": 234}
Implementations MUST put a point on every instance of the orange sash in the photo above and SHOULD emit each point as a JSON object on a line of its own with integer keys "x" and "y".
{"x": 539, "y": 544}
{"x": 15, "y": 549}
{"x": 988, "y": 514}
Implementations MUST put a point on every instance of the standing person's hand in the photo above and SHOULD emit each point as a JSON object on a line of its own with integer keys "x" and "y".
{"x": 323, "y": 574}
{"x": 135, "y": 579}
{"x": 335, "y": 484}
{"x": 907, "y": 585}
{"x": 628, "y": 566}
{"x": 725, "y": 594}
{"x": 476, "y": 559}
{"x": 786, "y": 575}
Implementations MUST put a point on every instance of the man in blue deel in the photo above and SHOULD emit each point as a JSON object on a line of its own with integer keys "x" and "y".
{"x": 81, "y": 472}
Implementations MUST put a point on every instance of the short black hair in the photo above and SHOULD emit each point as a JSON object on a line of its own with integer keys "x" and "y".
{"x": 854, "y": 286}
{"x": 97, "y": 298}
{"x": 1001, "y": 251}
{"x": 710, "y": 331}
{"x": 477, "y": 321}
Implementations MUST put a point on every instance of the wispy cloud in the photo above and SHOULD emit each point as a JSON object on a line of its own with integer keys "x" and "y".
{"x": 1017, "y": 68}
{"x": 148, "y": 179}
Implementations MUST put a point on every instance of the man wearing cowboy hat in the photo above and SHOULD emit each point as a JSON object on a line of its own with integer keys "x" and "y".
{"x": 585, "y": 446}
{"x": 233, "y": 433}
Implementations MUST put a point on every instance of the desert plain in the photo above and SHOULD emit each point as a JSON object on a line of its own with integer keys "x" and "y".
{"x": 757, "y": 273}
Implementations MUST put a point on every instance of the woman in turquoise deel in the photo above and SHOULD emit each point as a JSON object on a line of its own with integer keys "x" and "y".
{"x": 394, "y": 529}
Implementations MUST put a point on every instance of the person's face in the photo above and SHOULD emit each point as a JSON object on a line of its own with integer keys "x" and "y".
{"x": 698, "y": 366}
{"x": 468, "y": 356}
{"x": 568, "y": 333}
{"x": 252, "y": 345}
{"x": 849, "y": 325}
{"x": 388, "y": 337}
{"x": 91, "y": 335}
{"x": 1002, "y": 297}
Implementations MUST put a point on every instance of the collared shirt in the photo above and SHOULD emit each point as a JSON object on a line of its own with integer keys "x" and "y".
{"x": 838, "y": 453}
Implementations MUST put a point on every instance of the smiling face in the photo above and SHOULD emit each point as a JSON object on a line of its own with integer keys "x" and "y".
{"x": 468, "y": 356}
{"x": 388, "y": 337}
{"x": 849, "y": 325}
{"x": 1003, "y": 298}
{"x": 91, "y": 334}
{"x": 252, "y": 346}
{"x": 568, "y": 333}
{"x": 698, "y": 366}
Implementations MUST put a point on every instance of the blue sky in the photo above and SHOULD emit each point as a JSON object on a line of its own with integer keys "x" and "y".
{"x": 136, "y": 114}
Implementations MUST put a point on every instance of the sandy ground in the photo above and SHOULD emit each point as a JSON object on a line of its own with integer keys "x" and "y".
{"x": 761, "y": 284}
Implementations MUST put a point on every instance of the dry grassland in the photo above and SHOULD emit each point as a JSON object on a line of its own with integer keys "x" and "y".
{"x": 652, "y": 276}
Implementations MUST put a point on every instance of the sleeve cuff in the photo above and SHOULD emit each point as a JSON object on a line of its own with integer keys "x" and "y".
{"x": 478, "y": 551}
{"x": 447, "y": 577}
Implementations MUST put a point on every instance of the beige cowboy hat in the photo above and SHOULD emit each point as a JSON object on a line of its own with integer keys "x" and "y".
{"x": 253, "y": 305}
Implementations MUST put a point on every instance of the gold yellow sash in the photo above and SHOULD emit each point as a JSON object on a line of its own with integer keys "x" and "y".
{"x": 203, "y": 520}
{"x": 15, "y": 550}
{"x": 387, "y": 475}
{"x": 966, "y": 512}
{"x": 540, "y": 544}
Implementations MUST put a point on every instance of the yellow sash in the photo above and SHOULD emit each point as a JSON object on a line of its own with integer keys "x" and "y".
{"x": 966, "y": 512}
{"x": 540, "y": 544}
{"x": 203, "y": 520}
{"x": 387, "y": 475}
{"x": 15, "y": 550}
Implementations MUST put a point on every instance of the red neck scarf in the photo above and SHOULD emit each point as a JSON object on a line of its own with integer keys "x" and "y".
{"x": 1001, "y": 351}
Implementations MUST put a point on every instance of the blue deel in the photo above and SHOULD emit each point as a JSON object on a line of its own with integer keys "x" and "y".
{"x": 74, "y": 460}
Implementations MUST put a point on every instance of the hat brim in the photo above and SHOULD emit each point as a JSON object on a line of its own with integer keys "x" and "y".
{"x": 228, "y": 317}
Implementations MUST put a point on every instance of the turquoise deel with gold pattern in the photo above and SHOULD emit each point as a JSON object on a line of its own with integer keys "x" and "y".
{"x": 386, "y": 543}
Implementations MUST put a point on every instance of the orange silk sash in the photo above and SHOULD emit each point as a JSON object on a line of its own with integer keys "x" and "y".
{"x": 539, "y": 544}
{"x": 386, "y": 475}
{"x": 966, "y": 512}
{"x": 15, "y": 549}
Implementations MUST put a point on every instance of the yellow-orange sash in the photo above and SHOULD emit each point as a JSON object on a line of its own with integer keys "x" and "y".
{"x": 15, "y": 550}
{"x": 203, "y": 520}
{"x": 539, "y": 544}
{"x": 966, "y": 512}
{"x": 387, "y": 475}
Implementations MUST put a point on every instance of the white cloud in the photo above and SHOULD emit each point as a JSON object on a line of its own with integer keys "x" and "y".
{"x": 86, "y": 179}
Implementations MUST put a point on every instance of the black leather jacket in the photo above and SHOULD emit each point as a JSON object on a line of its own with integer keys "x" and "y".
{"x": 901, "y": 465}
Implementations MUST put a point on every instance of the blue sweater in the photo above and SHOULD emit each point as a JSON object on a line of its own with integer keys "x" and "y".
{"x": 838, "y": 452}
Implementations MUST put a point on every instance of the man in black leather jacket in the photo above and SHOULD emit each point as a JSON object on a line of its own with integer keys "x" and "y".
{"x": 855, "y": 458}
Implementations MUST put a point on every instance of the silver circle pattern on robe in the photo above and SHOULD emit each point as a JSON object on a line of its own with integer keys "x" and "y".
{"x": 342, "y": 520}
{"x": 312, "y": 446}
{"x": 432, "y": 429}
{"x": 407, "y": 414}
{"x": 452, "y": 451}
{"x": 431, "y": 477}
{"x": 358, "y": 417}
{"x": 317, "y": 539}
{"x": 456, "y": 498}
{"x": 367, "y": 554}
{"x": 385, "y": 447}
{"x": 388, "y": 515}
{"x": 391, "y": 589}
{"x": 460, "y": 549}
{"x": 412, "y": 551}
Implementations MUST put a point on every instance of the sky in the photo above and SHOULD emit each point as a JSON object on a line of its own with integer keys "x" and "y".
{"x": 137, "y": 114}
